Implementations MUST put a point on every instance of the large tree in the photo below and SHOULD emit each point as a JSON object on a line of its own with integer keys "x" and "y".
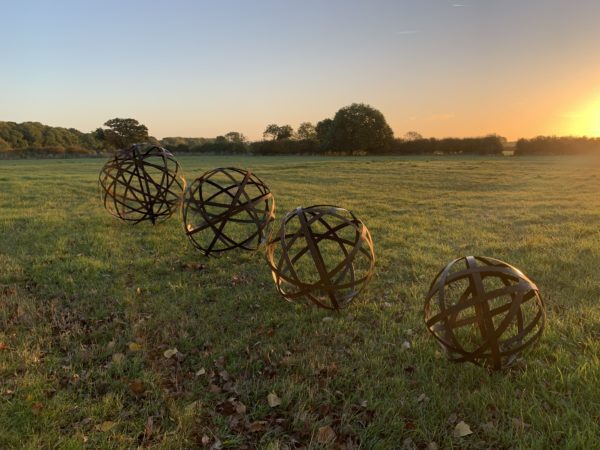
{"x": 307, "y": 131}
{"x": 323, "y": 130}
{"x": 122, "y": 133}
{"x": 360, "y": 127}
{"x": 278, "y": 133}
{"x": 413, "y": 136}
{"x": 236, "y": 137}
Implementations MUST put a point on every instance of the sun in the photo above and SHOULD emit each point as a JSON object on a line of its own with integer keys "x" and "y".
{"x": 585, "y": 121}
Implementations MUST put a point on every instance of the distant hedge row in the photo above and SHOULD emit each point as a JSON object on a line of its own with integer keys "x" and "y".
{"x": 553, "y": 145}
{"x": 490, "y": 145}
{"x": 48, "y": 152}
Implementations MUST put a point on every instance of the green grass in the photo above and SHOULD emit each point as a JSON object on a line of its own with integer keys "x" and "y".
{"x": 77, "y": 287}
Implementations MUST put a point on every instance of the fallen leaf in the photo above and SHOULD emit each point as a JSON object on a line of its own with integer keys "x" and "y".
{"x": 134, "y": 347}
{"x": 118, "y": 358}
{"x": 138, "y": 291}
{"x": 192, "y": 407}
{"x": 408, "y": 444}
{"x": 205, "y": 439}
{"x": 519, "y": 424}
{"x": 273, "y": 400}
{"x": 327, "y": 319}
{"x": 422, "y": 398}
{"x": 201, "y": 372}
{"x": 170, "y": 353}
{"x": 405, "y": 345}
{"x": 257, "y": 426}
{"x": 149, "y": 427}
{"x": 3, "y": 346}
{"x": 214, "y": 389}
{"x": 194, "y": 266}
{"x": 224, "y": 375}
{"x": 106, "y": 426}
{"x": 137, "y": 387}
{"x": 462, "y": 429}
{"x": 226, "y": 408}
{"x": 325, "y": 435}
{"x": 36, "y": 408}
{"x": 432, "y": 446}
{"x": 240, "y": 408}
{"x": 452, "y": 418}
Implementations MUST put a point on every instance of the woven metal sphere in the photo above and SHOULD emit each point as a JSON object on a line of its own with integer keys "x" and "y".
{"x": 140, "y": 184}
{"x": 484, "y": 310}
{"x": 227, "y": 208}
{"x": 323, "y": 254}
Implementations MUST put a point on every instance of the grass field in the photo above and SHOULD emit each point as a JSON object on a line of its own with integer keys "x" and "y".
{"x": 90, "y": 307}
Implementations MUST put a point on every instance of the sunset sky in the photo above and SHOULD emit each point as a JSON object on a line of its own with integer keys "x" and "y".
{"x": 518, "y": 68}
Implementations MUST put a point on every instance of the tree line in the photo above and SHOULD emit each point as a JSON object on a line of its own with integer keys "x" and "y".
{"x": 35, "y": 138}
{"x": 554, "y": 145}
{"x": 357, "y": 129}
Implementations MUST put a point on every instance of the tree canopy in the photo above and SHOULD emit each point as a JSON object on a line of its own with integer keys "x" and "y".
{"x": 278, "y": 133}
{"x": 306, "y": 131}
{"x": 122, "y": 133}
{"x": 36, "y": 137}
{"x": 359, "y": 127}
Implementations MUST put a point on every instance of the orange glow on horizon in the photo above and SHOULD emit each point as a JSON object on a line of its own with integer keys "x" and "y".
{"x": 585, "y": 121}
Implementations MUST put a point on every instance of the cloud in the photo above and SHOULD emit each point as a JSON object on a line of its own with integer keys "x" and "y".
{"x": 406, "y": 32}
{"x": 458, "y": 5}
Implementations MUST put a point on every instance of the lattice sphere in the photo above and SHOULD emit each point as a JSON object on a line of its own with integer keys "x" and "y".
{"x": 484, "y": 310}
{"x": 323, "y": 254}
{"x": 140, "y": 184}
{"x": 227, "y": 208}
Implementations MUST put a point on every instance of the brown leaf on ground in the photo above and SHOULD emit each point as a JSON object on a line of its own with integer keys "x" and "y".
{"x": 194, "y": 266}
{"x": 226, "y": 408}
{"x": 224, "y": 375}
{"x": 519, "y": 425}
{"x": 240, "y": 408}
{"x": 326, "y": 435}
{"x": 3, "y": 346}
{"x": 257, "y": 426}
{"x": 134, "y": 347}
{"x": 106, "y": 426}
{"x": 36, "y": 408}
{"x": 170, "y": 353}
{"x": 193, "y": 407}
{"x": 273, "y": 400}
{"x": 462, "y": 429}
{"x": 409, "y": 444}
{"x": 137, "y": 387}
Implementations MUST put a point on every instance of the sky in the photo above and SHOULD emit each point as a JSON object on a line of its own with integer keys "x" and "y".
{"x": 518, "y": 68}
